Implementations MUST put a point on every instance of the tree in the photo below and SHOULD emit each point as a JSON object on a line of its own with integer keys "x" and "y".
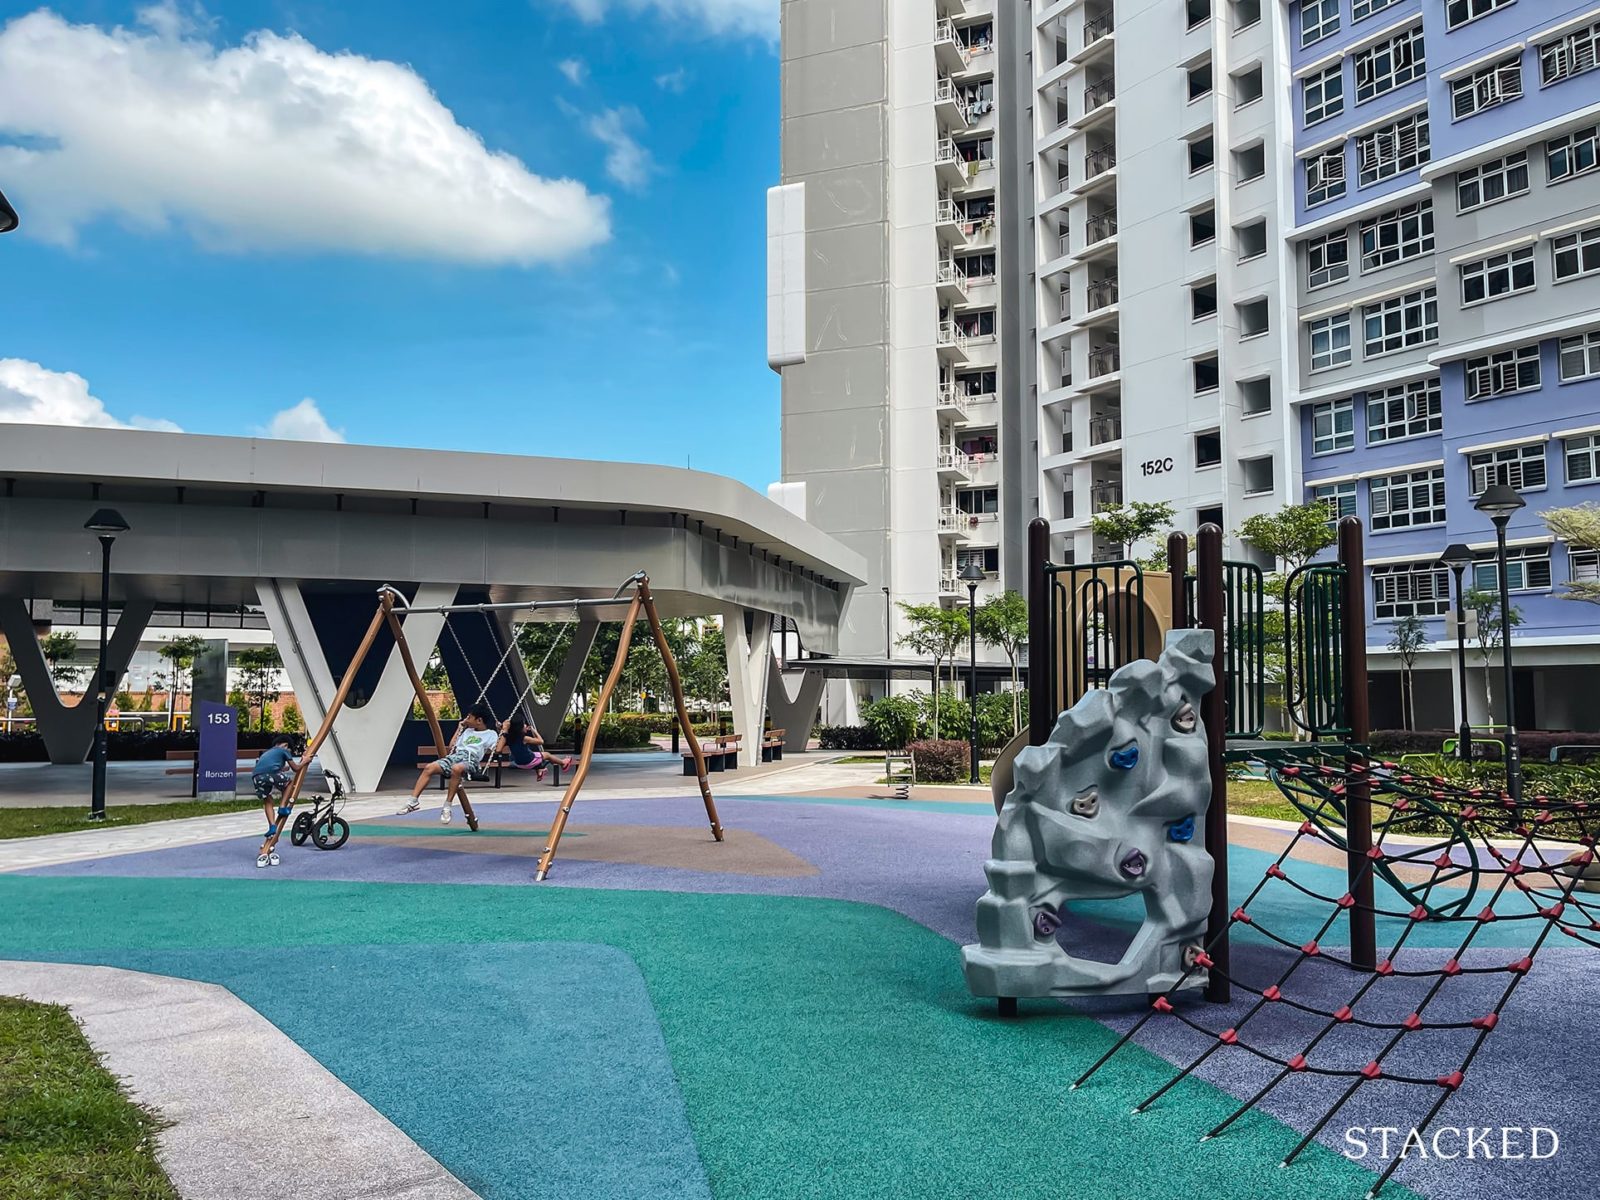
{"x": 1579, "y": 528}
{"x": 1126, "y": 525}
{"x": 937, "y": 632}
{"x": 1407, "y": 639}
{"x": 59, "y": 650}
{"x": 1490, "y": 635}
{"x": 1003, "y": 624}
{"x": 704, "y": 668}
{"x": 258, "y": 676}
{"x": 1293, "y": 535}
{"x": 181, "y": 653}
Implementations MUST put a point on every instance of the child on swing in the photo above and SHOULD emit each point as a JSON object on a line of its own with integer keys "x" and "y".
{"x": 520, "y": 740}
{"x": 475, "y": 738}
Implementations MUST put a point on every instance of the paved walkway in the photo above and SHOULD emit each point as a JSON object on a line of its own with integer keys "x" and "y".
{"x": 254, "y": 1117}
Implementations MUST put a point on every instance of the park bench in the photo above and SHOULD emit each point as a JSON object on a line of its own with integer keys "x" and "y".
{"x": 247, "y": 761}
{"x": 721, "y": 753}
{"x": 491, "y": 772}
{"x": 1557, "y": 751}
{"x": 772, "y": 745}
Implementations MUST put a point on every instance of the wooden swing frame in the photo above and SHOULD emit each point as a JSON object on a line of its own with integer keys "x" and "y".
{"x": 392, "y": 606}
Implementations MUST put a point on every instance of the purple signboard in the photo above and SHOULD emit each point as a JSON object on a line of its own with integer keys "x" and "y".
{"x": 219, "y": 747}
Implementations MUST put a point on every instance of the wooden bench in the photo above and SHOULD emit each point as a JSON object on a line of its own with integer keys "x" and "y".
{"x": 772, "y": 745}
{"x": 721, "y": 753}
{"x": 430, "y": 754}
{"x": 247, "y": 759}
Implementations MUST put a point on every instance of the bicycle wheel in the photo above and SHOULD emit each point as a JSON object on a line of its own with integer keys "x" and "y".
{"x": 301, "y": 830}
{"x": 331, "y": 834}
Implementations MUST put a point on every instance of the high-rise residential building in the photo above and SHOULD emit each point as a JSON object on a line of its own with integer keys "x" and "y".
{"x": 1249, "y": 253}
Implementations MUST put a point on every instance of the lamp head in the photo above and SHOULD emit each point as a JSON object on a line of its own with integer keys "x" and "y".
{"x": 107, "y": 522}
{"x": 1499, "y": 502}
{"x": 8, "y": 215}
{"x": 1456, "y": 556}
{"x": 972, "y": 574}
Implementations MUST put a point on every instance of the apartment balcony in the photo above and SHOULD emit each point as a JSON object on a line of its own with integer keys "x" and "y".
{"x": 949, "y": 105}
{"x": 953, "y": 523}
{"x": 949, "y": 585}
{"x": 949, "y": 222}
{"x": 952, "y": 342}
{"x": 1097, "y": 95}
{"x": 954, "y": 465}
{"x": 1098, "y": 162}
{"x": 951, "y": 282}
{"x": 947, "y": 162}
{"x": 1101, "y": 227}
{"x": 1064, "y": 306}
{"x": 1098, "y": 29}
{"x": 1104, "y": 495}
{"x": 1104, "y": 430}
{"x": 1104, "y": 361}
{"x": 947, "y": 48}
{"x": 1100, "y": 294}
{"x": 952, "y": 403}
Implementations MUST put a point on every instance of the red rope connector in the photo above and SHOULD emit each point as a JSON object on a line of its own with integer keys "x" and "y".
{"x": 1311, "y": 949}
{"x": 1228, "y": 1037}
{"x": 1486, "y": 915}
{"x": 1202, "y": 959}
{"x": 1419, "y": 913}
{"x": 1161, "y": 1004}
{"x": 1376, "y": 854}
{"x": 1307, "y": 827}
{"x": 1452, "y": 967}
{"x": 1385, "y": 968}
{"x": 1513, "y": 867}
{"x": 1412, "y": 1023}
{"x": 1444, "y": 860}
{"x": 1241, "y": 916}
{"x": 1486, "y": 1022}
{"x": 1372, "y": 1070}
{"x": 1297, "y": 1063}
{"x": 1469, "y": 813}
{"x": 1400, "y": 805}
{"x": 1347, "y": 901}
{"x": 1522, "y": 966}
{"x": 1343, "y": 1013}
{"x": 1451, "y": 1081}
{"x": 1272, "y": 993}
{"x": 1554, "y": 911}
{"x": 1275, "y": 872}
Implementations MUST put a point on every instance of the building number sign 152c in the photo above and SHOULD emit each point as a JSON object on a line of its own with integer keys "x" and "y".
{"x": 1155, "y": 466}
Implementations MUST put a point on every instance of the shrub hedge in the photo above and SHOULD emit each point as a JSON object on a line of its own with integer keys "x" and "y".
{"x": 1535, "y": 744}
{"x": 125, "y": 745}
{"x": 940, "y": 761}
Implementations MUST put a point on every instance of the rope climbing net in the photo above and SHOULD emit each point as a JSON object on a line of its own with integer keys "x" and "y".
{"x": 1443, "y": 858}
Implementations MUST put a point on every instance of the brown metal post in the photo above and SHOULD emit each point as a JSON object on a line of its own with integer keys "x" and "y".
{"x": 1178, "y": 566}
{"x": 426, "y": 704}
{"x": 1041, "y": 665}
{"x": 590, "y": 736}
{"x": 681, "y": 707}
{"x": 1358, "y": 718}
{"x": 1214, "y": 712}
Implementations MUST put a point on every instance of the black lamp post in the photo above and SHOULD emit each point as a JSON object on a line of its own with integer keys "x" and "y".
{"x": 106, "y": 523}
{"x": 972, "y": 575}
{"x": 1458, "y": 558}
{"x": 8, "y": 215}
{"x": 1499, "y": 503}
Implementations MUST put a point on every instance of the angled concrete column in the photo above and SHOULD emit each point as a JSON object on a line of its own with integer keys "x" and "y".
{"x": 796, "y": 715}
{"x": 67, "y": 730}
{"x": 362, "y": 738}
{"x": 748, "y": 635}
{"x": 547, "y": 717}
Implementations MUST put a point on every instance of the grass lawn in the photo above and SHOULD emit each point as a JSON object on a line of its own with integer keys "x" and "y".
{"x": 66, "y": 1128}
{"x": 1260, "y": 798}
{"x": 35, "y": 822}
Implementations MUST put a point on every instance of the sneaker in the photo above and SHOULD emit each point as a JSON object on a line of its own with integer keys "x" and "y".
{"x": 272, "y": 859}
{"x": 411, "y": 806}
{"x": 262, "y": 860}
{"x": 444, "y": 815}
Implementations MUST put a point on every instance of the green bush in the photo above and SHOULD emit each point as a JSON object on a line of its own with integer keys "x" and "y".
{"x": 940, "y": 761}
{"x": 615, "y": 733}
{"x": 893, "y": 720}
{"x": 847, "y": 737}
{"x": 293, "y": 722}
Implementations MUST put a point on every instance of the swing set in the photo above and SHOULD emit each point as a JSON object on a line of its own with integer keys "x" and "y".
{"x": 393, "y": 607}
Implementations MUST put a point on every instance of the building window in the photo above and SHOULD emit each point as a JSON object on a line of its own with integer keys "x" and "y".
{"x": 1401, "y": 322}
{"x": 1327, "y": 260}
{"x": 1338, "y": 498}
{"x": 1202, "y": 153}
{"x": 1503, "y": 374}
{"x": 1410, "y": 590}
{"x": 1406, "y": 411}
{"x": 1362, "y": 9}
{"x": 1318, "y": 19}
{"x": 1202, "y": 226}
{"x": 1396, "y": 236}
{"x": 1333, "y": 427}
{"x": 1583, "y": 565}
{"x": 1208, "y": 449}
{"x": 1527, "y": 570}
{"x": 1258, "y": 475}
{"x": 1497, "y": 276}
{"x": 1571, "y": 55}
{"x": 1459, "y": 12}
{"x": 1198, "y": 12}
{"x": 1200, "y": 80}
{"x": 1245, "y": 14}
{"x": 1330, "y": 341}
{"x": 1251, "y": 239}
{"x": 1576, "y": 254}
{"x": 1325, "y": 176}
{"x": 977, "y": 324}
{"x": 1255, "y": 397}
{"x": 1583, "y": 459}
{"x": 1580, "y": 356}
{"x": 1247, "y": 87}
{"x": 1392, "y": 150}
{"x": 1408, "y": 500}
{"x": 1489, "y": 182}
{"x": 1520, "y": 466}
{"x": 1250, "y": 163}
{"x": 1485, "y": 89}
{"x": 986, "y": 557}
{"x": 1573, "y": 154}
{"x": 1389, "y": 65}
{"x": 977, "y": 501}
{"x": 1206, "y": 376}
{"x": 978, "y": 386}
{"x": 1203, "y": 300}
{"x": 1254, "y": 318}
{"x": 1323, "y": 94}
{"x": 978, "y": 268}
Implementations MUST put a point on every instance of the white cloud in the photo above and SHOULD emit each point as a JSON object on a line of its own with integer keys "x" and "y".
{"x": 575, "y": 69}
{"x": 270, "y": 144}
{"x": 627, "y": 161}
{"x": 34, "y": 395}
{"x": 754, "y": 18}
{"x": 303, "y": 422}
{"x": 673, "y": 81}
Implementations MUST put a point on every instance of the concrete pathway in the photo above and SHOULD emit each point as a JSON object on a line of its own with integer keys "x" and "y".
{"x": 254, "y": 1117}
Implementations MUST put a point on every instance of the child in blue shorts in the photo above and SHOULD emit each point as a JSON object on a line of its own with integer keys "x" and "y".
{"x": 272, "y": 773}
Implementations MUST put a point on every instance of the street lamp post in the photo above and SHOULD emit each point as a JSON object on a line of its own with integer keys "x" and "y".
{"x": 888, "y": 643}
{"x": 1458, "y": 558}
{"x": 106, "y": 523}
{"x": 1499, "y": 503}
{"x": 972, "y": 575}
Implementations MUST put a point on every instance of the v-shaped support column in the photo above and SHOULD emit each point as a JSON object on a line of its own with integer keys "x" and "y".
{"x": 797, "y": 714}
{"x": 67, "y": 730}
{"x": 747, "y": 634}
{"x": 359, "y": 747}
{"x": 547, "y": 717}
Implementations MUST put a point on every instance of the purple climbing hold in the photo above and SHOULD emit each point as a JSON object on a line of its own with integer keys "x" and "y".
{"x": 1045, "y": 923}
{"x": 1133, "y": 866}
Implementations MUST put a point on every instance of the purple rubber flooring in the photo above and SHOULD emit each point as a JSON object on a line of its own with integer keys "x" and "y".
{"x": 928, "y": 865}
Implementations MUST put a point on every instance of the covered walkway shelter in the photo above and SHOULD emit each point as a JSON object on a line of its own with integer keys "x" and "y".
{"x": 308, "y": 532}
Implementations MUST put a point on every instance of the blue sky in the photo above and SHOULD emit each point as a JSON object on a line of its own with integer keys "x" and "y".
{"x": 220, "y": 225}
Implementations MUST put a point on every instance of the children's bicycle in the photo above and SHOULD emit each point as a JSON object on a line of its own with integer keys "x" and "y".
{"x": 322, "y": 826}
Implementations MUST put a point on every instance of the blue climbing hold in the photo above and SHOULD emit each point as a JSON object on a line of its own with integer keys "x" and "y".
{"x": 1181, "y": 831}
{"x": 1127, "y": 758}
